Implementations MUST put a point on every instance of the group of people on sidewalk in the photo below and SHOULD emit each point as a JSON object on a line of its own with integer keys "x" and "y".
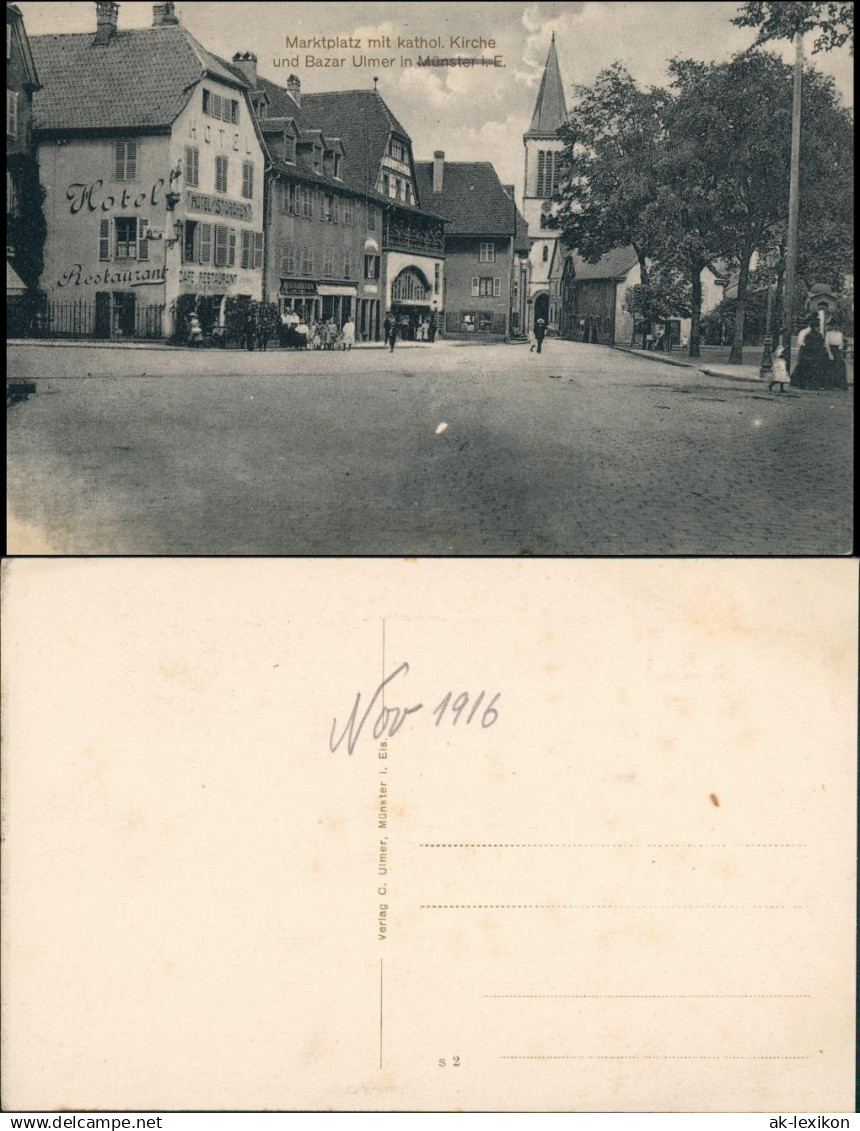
{"x": 325, "y": 334}
{"x": 820, "y": 360}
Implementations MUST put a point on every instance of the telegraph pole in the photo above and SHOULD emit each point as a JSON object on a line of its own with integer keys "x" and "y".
{"x": 793, "y": 202}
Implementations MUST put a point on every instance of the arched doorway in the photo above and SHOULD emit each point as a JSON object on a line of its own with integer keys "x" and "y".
{"x": 411, "y": 295}
{"x": 542, "y": 308}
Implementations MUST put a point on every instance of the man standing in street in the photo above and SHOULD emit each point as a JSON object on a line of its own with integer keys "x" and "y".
{"x": 390, "y": 326}
{"x": 540, "y": 331}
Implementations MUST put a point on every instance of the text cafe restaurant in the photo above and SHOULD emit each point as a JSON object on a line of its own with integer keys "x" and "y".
{"x": 143, "y": 213}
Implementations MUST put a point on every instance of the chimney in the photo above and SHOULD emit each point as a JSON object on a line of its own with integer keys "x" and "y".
{"x": 106, "y": 16}
{"x": 294, "y": 89}
{"x": 247, "y": 63}
{"x": 164, "y": 15}
{"x": 438, "y": 169}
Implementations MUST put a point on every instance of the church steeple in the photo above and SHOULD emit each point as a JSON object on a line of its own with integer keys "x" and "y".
{"x": 550, "y": 108}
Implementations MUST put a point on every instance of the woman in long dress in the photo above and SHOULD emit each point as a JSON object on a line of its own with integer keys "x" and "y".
{"x": 811, "y": 369}
{"x": 834, "y": 347}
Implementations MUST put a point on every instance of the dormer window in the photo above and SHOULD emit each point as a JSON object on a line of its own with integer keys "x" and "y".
{"x": 397, "y": 149}
{"x": 408, "y": 193}
{"x": 289, "y": 148}
{"x": 336, "y": 166}
{"x": 318, "y": 159}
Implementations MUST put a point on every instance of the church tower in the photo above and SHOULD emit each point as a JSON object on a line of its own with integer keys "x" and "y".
{"x": 543, "y": 155}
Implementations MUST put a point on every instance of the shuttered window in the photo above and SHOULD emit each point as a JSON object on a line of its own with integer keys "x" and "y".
{"x": 247, "y": 250}
{"x": 142, "y": 241}
{"x": 307, "y": 261}
{"x": 328, "y": 264}
{"x": 125, "y": 161}
{"x": 192, "y": 166}
{"x": 231, "y": 260}
{"x": 258, "y": 251}
{"x": 347, "y": 264}
{"x": 220, "y": 174}
{"x": 475, "y": 286}
{"x": 288, "y": 259}
{"x": 220, "y": 245}
{"x": 247, "y": 179}
{"x": 205, "y": 243}
{"x": 104, "y": 239}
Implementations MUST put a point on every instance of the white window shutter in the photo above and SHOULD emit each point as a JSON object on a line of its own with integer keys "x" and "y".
{"x": 475, "y": 286}
{"x": 497, "y": 287}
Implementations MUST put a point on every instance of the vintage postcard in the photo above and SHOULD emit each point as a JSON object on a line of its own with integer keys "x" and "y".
{"x": 544, "y": 279}
{"x": 429, "y": 836}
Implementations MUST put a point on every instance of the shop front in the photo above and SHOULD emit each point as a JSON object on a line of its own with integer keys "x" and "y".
{"x": 412, "y": 303}
{"x": 338, "y": 301}
{"x": 302, "y": 297}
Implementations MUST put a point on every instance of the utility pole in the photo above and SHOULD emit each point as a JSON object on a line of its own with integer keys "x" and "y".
{"x": 793, "y": 202}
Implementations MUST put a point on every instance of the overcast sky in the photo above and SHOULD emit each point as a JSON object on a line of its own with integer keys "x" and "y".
{"x": 470, "y": 113}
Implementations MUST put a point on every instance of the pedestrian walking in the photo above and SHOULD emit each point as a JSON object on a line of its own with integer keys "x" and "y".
{"x": 390, "y": 327}
{"x": 780, "y": 371}
{"x": 432, "y": 327}
{"x": 836, "y": 376}
{"x": 249, "y": 330}
{"x": 195, "y": 333}
{"x": 532, "y": 340}
{"x": 540, "y": 332}
{"x": 812, "y": 361}
{"x": 348, "y": 334}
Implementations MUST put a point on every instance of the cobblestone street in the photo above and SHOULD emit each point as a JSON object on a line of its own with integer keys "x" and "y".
{"x": 442, "y": 449}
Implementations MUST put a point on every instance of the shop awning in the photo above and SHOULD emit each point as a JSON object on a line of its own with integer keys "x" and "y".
{"x": 14, "y": 285}
{"x": 325, "y": 289}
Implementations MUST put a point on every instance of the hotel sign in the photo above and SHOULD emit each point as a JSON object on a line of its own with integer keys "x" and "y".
{"x": 218, "y": 206}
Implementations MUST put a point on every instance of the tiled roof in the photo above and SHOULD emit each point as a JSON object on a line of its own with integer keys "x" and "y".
{"x": 141, "y": 78}
{"x": 359, "y": 119}
{"x": 550, "y": 109}
{"x": 472, "y": 200}
{"x": 613, "y": 265}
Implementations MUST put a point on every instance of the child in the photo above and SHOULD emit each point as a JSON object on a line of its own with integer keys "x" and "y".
{"x": 780, "y": 371}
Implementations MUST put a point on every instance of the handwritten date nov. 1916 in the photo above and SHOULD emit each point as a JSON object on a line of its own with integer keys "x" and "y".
{"x": 388, "y": 719}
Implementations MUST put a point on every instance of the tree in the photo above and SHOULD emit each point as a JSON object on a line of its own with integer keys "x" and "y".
{"x": 835, "y": 25}
{"x": 742, "y": 159}
{"x": 611, "y": 142}
{"x": 664, "y": 295}
{"x": 26, "y": 228}
{"x": 834, "y": 22}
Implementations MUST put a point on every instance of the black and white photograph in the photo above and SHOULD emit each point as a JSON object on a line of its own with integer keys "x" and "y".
{"x": 429, "y": 279}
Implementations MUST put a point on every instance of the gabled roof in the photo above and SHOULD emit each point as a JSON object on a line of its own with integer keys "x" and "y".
{"x": 141, "y": 78}
{"x": 473, "y": 200}
{"x": 614, "y": 265}
{"x": 550, "y": 109}
{"x": 278, "y": 125}
{"x": 14, "y": 17}
{"x": 362, "y": 122}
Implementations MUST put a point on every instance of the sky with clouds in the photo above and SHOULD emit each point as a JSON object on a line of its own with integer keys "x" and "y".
{"x": 470, "y": 113}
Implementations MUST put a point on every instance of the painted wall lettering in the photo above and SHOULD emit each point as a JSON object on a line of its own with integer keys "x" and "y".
{"x": 75, "y": 276}
{"x": 95, "y": 200}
